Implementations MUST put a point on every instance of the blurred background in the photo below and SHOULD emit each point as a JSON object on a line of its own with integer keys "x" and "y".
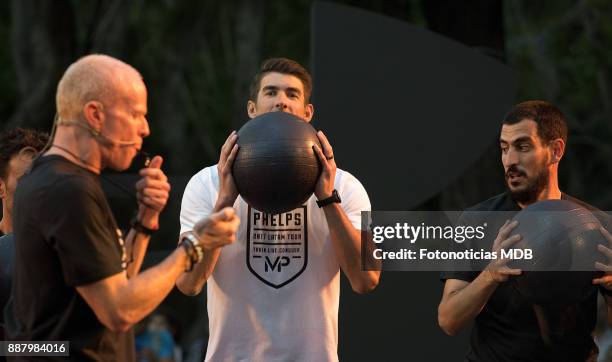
{"x": 197, "y": 59}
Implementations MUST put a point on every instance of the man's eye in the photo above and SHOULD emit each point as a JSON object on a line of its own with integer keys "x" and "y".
{"x": 524, "y": 147}
{"x": 504, "y": 149}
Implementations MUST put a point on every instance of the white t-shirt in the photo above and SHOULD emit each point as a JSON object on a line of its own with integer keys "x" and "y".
{"x": 274, "y": 293}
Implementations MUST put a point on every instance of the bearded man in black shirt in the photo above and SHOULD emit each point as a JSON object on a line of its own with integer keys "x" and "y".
{"x": 76, "y": 276}
{"x": 507, "y": 327}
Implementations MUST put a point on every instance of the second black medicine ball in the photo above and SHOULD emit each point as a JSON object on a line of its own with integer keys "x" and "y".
{"x": 276, "y": 168}
{"x": 563, "y": 237}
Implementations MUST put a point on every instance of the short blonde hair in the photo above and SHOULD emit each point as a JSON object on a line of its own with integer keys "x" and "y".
{"x": 91, "y": 78}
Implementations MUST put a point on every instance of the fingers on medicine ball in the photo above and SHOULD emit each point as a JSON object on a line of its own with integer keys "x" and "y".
{"x": 603, "y": 267}
{"x": 232, "y": 156}
{"x": 321, "y": 155}
{"x": 229, "y": 143}
{"x": 511, "y": 241}
{"x": 606, "y": 234}
{"x": 505, "y": 231}
{"x": 324, "y": 142}
{"x": 604, "y": 250}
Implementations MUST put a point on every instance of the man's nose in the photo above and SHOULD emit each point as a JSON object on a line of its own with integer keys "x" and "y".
{"x": 281, "y": 102}
{"x": 510, "y": 158}
{"x": 145, "y": 131}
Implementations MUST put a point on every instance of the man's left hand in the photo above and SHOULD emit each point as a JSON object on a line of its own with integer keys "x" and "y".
{"x": 152, "y": 192}
{"x": 325, "y": 184}
{"x": 606, "y": 279}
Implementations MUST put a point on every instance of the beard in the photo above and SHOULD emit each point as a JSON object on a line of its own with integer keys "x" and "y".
{"x": 535, "y": 184}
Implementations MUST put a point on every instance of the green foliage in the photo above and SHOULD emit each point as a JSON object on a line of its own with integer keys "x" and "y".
{"x": 190, "y": 54}
{"x": 562, "y": 53}
{"x": 8, "y": 83}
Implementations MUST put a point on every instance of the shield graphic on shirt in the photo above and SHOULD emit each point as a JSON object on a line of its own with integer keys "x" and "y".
{"x": 277, "y": 246}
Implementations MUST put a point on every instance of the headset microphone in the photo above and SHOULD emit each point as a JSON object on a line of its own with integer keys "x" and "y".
{"x": 95, "y": 133}
{"x": 112, "y": 142}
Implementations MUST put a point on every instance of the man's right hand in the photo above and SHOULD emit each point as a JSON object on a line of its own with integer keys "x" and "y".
{"x": 498, "y": 271}
{"x": 227, "y": 187}
{"x": 217, "y": 230}
{"x": 462, "y": 301}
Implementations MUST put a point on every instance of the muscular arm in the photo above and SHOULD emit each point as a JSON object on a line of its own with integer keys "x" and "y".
{"x": 346, "y": 241}
{"x": 152, "y": 192}
{"x": 119, "y": 302}
{"x": 191, "y": 283}
{"x": 135, "y": 246}
{"x": 462, "y": 301}
{"x": 214, "y": 236}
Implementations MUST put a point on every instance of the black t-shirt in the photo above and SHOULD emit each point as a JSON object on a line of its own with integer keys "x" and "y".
{"x": 65, "y": 236}
{"x": 507, "y": 328}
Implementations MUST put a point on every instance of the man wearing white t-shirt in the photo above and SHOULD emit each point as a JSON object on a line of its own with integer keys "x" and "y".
{"x": 278, "y": 304}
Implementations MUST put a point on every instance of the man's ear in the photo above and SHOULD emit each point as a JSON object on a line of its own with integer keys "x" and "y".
{"x": 2, "y": 189}
{"x": 557, "y": 149}
{"x": 93, "y": 112}
{"x": 251, "y": 109}
{"x": 308, "y": 112}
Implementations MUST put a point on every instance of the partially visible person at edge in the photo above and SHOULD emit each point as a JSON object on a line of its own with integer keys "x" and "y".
{"x": 508, "y": 327}
{"x": 17, "y": 149}
{"x": 76, "y": 276}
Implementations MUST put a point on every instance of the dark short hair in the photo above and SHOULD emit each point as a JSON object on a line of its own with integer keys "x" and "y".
{"x": 14, "y": 140}
{"x": 549, "y": 119}
{"x": 283, "y": 66}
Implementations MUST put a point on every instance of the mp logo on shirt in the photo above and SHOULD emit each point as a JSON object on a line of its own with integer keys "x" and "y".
{"x": 277, "y": 246}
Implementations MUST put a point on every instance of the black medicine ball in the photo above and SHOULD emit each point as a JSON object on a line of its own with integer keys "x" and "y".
{"x": 276, "y": 168}
{"x": 563, "y": 237}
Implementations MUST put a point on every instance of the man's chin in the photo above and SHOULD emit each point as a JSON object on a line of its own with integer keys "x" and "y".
{"x": 515, "y": 187}
{"x": 120, "y": 167}
{"x": 522, "y": 195}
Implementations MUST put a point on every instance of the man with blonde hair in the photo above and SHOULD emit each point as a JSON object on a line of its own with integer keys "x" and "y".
{"x": 76, "y": 276}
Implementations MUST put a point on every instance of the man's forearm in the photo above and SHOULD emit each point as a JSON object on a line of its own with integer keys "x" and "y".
{"x": 224, "y": 201}
{"x": 145, "y": 291}
{"x": 191, "y": 283}
{"x": 462, "y": 306}
{"x": 346, "y": 241}
{"x": 135, "y": 247}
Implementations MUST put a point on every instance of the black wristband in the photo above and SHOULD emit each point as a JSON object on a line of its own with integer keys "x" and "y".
{"x": 334, "y": 198}
{"x": 193, "y": 249}
{"x": 136, "y": 225}
{"x": 191, "y": 254}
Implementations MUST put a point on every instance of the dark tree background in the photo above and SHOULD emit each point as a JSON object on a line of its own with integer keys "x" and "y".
{"x": 198, "y": 58}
